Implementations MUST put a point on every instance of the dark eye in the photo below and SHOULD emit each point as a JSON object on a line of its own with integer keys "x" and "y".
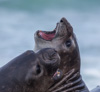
{"x": 68, "y": 43}
{"x": 38, "y": 69}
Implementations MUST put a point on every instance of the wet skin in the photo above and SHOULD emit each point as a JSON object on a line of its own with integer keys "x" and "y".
{"x": 30, "y": 72}
{"x": 63, "y": 39}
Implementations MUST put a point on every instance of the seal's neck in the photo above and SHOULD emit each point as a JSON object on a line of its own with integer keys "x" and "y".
{"x": 71, "y": 82}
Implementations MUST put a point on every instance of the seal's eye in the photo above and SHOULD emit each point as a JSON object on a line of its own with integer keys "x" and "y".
{"x": 38, "y": 69}
{"x": 68, "y": 43}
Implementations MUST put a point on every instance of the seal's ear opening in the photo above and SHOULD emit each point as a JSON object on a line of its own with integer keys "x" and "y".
{"x": 34, "y": 73}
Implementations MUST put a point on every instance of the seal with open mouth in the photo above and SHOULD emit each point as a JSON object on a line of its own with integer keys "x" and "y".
{"x": 63, "y": 39}
{"x": 30, "y": 72}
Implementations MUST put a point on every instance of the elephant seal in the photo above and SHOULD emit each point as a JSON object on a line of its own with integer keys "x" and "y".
{"x": 30, "y": 71}
{"x": 63, "y": 39}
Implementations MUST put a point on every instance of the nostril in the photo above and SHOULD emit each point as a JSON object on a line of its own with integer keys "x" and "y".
{"x": 61, "y": 20}
{"x": 55, "y": 50}
{"x": 53, "y": 53}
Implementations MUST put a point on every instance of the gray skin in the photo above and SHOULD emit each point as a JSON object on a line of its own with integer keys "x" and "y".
{"x": 97, "y": 89}
{"x": 30, "y": 72}
{"x": 64, "y": 41}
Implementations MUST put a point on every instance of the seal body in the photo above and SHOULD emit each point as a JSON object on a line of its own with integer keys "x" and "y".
{"x": 97, "y": 89}
{"x": 29, "y": 72}
{"x": 63, "y": 39}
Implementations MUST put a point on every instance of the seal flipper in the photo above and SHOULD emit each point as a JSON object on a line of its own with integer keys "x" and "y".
{"x": 71, "y": 81}
{"x": 66, "y": 77}
{"x": 69, "y": 84}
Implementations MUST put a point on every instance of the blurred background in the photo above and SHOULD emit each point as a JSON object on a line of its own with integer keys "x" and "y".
{"x": 19, "y": 19}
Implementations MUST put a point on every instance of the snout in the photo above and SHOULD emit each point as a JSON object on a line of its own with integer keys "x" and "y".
{"x": 63, "y": 20}
{"x": 51, "y": 56}
{"x": 50, "y": 59}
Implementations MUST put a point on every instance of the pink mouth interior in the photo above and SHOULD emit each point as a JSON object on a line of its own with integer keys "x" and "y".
{"x": 47, "y": 36}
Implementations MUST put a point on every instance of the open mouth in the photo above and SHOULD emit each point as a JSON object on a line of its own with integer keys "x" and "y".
{"x": 46, "y": 35}
{"x": 50, "y": 35}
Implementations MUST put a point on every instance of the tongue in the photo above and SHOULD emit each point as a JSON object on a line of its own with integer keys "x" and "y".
{"x": 45, "y": 36}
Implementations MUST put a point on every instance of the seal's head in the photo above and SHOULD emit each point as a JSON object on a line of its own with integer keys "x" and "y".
{"x": 30, "y": 71}
{"x": 64, "y": 41}
{"x": 43, "y": 70}
{"x": 50, "y": 59}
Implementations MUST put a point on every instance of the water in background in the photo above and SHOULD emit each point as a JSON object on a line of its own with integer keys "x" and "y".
{"x": 19, "y": 19}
